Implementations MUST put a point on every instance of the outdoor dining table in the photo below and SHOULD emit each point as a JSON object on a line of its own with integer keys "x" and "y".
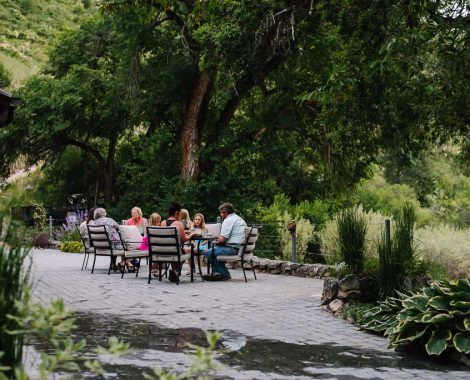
{"x": 197, "y": 252}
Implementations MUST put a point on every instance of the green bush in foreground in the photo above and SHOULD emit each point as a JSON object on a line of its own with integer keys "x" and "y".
{"x": 437, "y": 318}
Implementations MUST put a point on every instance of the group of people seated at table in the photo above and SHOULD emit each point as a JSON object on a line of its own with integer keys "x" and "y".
{"x": 232, "y": 235}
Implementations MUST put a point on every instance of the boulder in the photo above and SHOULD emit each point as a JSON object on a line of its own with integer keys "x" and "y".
{"x": 286, "y": 266}
{"x": 311, "y": 270}
{"x": 263, "y": 263}
{"x": 330, "y": 290}
{"x": 321, "y": 271}
{"x": 351, "y": 294}
{"x": 349, "y": 282}
{"x": 274, "y": 264}
{"x": 41, "y": 240}
{"x": 335, "y": 306}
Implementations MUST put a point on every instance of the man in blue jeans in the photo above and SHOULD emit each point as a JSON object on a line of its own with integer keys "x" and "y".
{"x": 232, "y": 235}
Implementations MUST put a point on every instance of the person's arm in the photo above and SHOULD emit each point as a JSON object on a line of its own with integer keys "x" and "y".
{"x": 221, "y": 240}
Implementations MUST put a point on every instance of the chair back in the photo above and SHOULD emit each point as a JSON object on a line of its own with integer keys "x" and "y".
{"x": 213, "y": 228}
{"x": 85, "y": 240}
{"x": 251, "y": 236}
{"x": 99, "y": 239}
{"x": 164, "y": 241}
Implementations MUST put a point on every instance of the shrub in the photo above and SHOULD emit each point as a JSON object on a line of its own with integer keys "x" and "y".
{"x": 304, "y": 234}
{"x": 5, "y": 76}
{"x": 13, "y": 280}
{"x": 71, "y": 246}
{"x": 356, "y": 313}
{"x": 329, "y": 235}
{"x": 397, "y": 259}
{"x": 447, "y": 247}
{"x": 39, "y": 217}
{"x": 352, "y": 230}
{"x": 437, "y": 318}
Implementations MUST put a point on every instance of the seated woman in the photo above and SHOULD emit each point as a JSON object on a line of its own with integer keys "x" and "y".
{"x": 137, "y": 219}
{"x": 185, "y": 219}
{"x": 101, "y": 219}
{"x": 83, "y": 226}
{"x": 155, "y": 220}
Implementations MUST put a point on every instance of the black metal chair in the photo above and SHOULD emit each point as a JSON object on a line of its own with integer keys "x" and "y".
{"x": 165, "y": 248}
{"x": 245, "y": 253}
{"x": 86, "y": 246}
{"x": 102, "y": 245}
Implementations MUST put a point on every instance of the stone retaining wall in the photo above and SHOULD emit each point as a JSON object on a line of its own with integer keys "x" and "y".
{"x": 288, "y": 268}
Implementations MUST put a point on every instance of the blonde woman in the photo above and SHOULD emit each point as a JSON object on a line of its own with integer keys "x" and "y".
{"x": 185, "y": 219}
{"x": 136, "y": 218}
{"x": 155, "y": 220}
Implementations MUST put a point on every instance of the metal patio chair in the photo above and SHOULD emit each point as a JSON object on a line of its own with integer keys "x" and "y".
{"x": 102, "y": 245}
{"x": 165, "y": 248}
{"x": 245, "y": 253}
{"x": 86, "y": 246}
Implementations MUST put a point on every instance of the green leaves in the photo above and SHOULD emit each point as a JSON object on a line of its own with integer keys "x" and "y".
{"x": 438, "y": 342}
{"x": 437, "y": 317}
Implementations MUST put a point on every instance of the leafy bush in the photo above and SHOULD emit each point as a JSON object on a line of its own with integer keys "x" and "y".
{"x": 71, "y": 246}
{"x": 437, "y": 318}
{"x": 356, "y": 312}
{"x": 352, "y": 230}
{"x": 397, "y": 259}
{"x": 447, "y": 247}
{"x": 39, "y": 217}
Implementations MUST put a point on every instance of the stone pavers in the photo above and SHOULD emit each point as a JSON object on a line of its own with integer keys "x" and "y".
{"x": 277, "y": 308}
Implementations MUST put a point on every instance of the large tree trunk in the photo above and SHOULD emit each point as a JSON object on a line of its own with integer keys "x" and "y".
{"x": 190, "y": 138}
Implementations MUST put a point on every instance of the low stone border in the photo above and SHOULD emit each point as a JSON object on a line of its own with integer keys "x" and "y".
{"x": 287, "y": 268}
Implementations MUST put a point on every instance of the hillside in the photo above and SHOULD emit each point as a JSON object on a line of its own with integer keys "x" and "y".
{"x": 28, "y": 27}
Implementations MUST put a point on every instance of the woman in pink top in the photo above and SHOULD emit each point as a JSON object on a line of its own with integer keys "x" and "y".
{"x": 136, "y": 219}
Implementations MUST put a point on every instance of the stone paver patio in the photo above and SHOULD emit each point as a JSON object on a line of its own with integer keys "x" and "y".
{"x": 281, "y": 309}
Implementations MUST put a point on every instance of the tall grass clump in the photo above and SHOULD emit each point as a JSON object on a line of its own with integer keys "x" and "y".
{"x": 397, "y": 258}
{"x": 13, "y": 282}
{"x": 352, "y": 231}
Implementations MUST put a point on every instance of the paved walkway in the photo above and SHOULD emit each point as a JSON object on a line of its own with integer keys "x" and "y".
{"x": 280, "y": 309}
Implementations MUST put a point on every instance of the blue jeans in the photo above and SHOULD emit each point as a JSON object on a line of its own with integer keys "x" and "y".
{"x": 220, "y": 250}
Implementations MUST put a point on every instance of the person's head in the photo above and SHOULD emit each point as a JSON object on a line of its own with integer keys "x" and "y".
{"x": 91, "y": 215}
{"x": 174, "y": 210}
{"x": 184, "y": 215}
{"x": 199, "y": 221}
{"x": 136, "y": 213}
{"x": 155, "y": 220}
{"x": 226, "y": 209}
{"x": 100, "y": 212}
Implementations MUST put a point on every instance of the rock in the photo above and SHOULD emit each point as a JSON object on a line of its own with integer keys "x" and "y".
{"x": 285, "y": 266}
{"x": 301, "y": 271}
{"x": 322, "y": 270}
{"x": 274, "y": 264}
{"x": 263, "y": 263}
{"x": 330, "y": 290}
{"x": 352, "y": 294}
{"x": 349, "y": 282}
{"x": 41, "y": 240}
{"x": 335, "y": 306}
{"x": 311, "y": 270}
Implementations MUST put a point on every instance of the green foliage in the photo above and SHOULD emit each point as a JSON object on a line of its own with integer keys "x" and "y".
{"x": 13, "y": 281}
{"x": 71, "y": 246}
{"x": 39, "y": 217}
{"x": 447, "y": 249}
{"x": 352, "y": 231}
{"x": 5, "y": 77}
{"x": 397, "y": 259}
{"x": 356, "y": 312}
{"x": 339, "y": 270}
{"x": 329, "y": 235}
{"x": 437, "y": 318}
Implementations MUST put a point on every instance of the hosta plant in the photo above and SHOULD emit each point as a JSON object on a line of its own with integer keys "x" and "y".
{"x": 438, "y": 318}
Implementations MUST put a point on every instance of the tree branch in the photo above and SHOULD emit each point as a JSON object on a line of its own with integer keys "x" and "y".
{"x": 94, "y": 152}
